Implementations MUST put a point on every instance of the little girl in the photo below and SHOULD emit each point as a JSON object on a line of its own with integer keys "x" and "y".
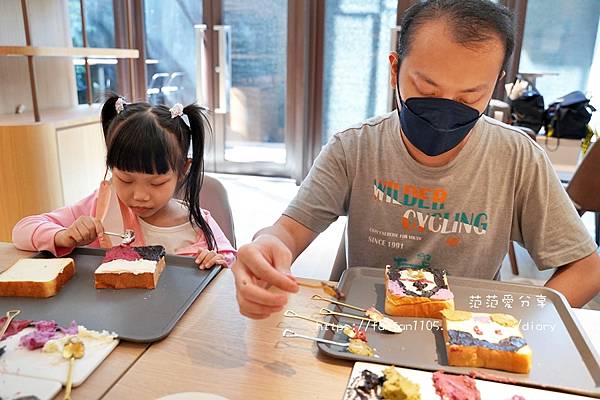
{"x": 147, "y": 153}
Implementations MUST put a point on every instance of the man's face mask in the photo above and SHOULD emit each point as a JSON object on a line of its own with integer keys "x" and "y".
{"x": 435, "y": 125}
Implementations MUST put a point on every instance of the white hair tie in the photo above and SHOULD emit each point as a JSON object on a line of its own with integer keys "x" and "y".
{"x": 177, "y": 111}
{"x": 120, "y": 105}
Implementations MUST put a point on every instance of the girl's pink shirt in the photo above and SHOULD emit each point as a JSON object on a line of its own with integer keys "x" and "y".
{"x": 36, "y": 232}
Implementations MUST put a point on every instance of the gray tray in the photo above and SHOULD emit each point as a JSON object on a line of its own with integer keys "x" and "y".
{"x": 563, "y": 359}
{"x": 136, "y": 315}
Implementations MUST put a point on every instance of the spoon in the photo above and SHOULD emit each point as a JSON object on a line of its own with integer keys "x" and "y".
{"x": 339, "y": 303}
{"x": 73, "y": 349}
{"x": 128, "y": 237}
{"x": 288, "y": 333}
{"x": 10, "y": 315}
{"x": 293, "y": 314}
{"x": 386, "y": 323}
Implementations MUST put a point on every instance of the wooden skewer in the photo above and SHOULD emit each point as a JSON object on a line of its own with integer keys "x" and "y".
{"x": 309, "y": 285}
{"x": 329, "y": 289}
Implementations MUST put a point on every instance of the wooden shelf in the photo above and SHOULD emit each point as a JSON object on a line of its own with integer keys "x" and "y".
{"x": 58, "y": 117}
{"x": 68, "y": 52}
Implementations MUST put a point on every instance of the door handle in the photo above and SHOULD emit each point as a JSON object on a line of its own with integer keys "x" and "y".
{"x": 201, "y": 76}
{"x": 223, "y": 68}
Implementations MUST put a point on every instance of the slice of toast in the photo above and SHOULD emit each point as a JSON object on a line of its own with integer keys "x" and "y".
{"x": 36, "y": 277}
{"x": 127, "y": 267}
{"x": 417, "y": 292}
{"x": 486, "y": 340}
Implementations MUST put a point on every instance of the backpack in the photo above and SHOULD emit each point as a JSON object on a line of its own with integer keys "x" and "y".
{"x": 568, "y": 117}
{"x": 528, "y": 109}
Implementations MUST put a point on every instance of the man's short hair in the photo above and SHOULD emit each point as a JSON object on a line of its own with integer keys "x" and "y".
{"x": 472, "y": 22}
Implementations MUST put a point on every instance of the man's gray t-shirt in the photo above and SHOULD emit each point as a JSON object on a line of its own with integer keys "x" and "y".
{"x": 460, "y": 216}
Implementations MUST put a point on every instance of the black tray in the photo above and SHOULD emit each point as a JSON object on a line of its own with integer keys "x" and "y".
{"x": 563, "y": 359}
{"x": 136, "y": 315}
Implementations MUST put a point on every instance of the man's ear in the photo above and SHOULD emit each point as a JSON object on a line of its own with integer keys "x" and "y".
{"x": 394, "y": 59}
{"x": 187, "y": 165}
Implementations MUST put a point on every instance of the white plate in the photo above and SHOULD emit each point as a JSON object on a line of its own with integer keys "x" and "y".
{"x": 13, "y": 386}
{"x": 193, "y": 396}
{"x": 18, "y": 360}
{"x": 489, "y": 390}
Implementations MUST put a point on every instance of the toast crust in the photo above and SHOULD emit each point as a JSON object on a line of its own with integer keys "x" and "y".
{"x": 482, "y": 357}
{"x": 128, "y": 280}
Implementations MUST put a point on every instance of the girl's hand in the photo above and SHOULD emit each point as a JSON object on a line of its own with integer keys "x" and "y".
{"x": 208, "y": 258}
{"x": 83, "y": 231}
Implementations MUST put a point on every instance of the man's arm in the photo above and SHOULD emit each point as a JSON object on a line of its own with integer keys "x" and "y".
{"x": 579, "y": 281}
{"x": 295, "y": 236}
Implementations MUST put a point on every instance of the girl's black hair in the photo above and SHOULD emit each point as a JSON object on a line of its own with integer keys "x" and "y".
{"x": 144, "y": 138}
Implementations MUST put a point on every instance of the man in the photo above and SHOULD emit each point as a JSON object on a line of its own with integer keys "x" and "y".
{"x": 434, "y": 183}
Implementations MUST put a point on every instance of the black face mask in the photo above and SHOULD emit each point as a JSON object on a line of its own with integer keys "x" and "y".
{"x": 435, "y": 125}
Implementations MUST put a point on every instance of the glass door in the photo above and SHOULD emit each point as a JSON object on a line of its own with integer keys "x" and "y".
{"x": 249, "y": 60}
{"x": 358, "y": 38}
{"x": 170, "y": 50}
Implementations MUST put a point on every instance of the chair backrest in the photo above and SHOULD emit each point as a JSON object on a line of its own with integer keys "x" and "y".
{"x": 585, "y": 184}
{"x": 340, "y": 264}
{"x": 213, "y": 197}
{"x": 529, "y": 132}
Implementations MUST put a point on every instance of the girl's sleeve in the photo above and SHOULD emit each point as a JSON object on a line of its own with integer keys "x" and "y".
{"x": 223, "y": 245}
{"x": 36, "y": 232}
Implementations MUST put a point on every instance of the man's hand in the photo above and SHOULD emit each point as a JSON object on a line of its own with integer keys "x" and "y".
{"x": 264, "y": 262}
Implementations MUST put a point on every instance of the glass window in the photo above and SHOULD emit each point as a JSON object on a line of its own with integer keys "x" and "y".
{"x": 170, "y": 50}
{"x": 356, "y": 70}
{"x": 100, "y": 26}
{"x": 561, "y": 39}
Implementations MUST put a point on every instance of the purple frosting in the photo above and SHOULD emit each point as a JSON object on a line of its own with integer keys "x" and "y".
{"x": 442, "y": 294}
{"x": 44, "y": 332}
{"x": 396, "y": 289}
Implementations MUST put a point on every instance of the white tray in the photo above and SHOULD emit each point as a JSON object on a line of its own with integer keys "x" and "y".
{"x": 489, "y": 390}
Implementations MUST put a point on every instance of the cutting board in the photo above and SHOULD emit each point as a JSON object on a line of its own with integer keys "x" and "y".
{"x": 14, "y": 386}
{"x": 18, "y": 360}
{"x": 489, "y": 390}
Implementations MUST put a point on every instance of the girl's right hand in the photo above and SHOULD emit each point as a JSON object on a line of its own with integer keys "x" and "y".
{"x": 83, "y": 231}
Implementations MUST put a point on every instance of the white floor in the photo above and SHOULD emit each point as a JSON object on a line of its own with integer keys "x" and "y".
{"x": 257, "y": 202}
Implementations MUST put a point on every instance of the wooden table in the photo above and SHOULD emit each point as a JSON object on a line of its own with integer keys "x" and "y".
{"x": 214, "y": 349}
{"x": 109, "y": 372}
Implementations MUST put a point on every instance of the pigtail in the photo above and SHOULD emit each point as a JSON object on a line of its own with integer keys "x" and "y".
{"x": 199, "y": 125}
{"x": 108, "y": 113}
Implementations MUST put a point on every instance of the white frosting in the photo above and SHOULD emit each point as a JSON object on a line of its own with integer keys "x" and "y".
{"x": 488, "y": 329}
{"x": 407, "y": 279}
{"x": 57, "y": 345}
{"x": 135, "y": 267}
{"x": 35, "y": 270}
